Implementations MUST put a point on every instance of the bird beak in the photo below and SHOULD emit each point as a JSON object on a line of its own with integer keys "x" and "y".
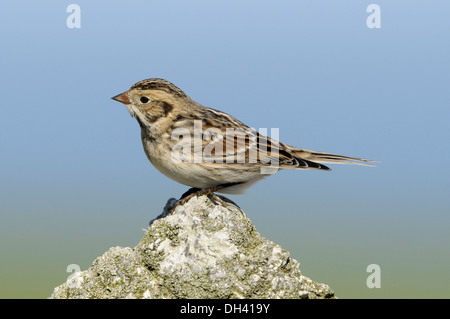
{"x": 123, "y": 98}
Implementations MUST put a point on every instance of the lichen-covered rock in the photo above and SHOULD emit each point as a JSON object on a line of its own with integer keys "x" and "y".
{"x": 202, "y": 250}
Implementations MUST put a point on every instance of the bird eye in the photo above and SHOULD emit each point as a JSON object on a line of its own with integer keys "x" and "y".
{"x": 144, "y": 99}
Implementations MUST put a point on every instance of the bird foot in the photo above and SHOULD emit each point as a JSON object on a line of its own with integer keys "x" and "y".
{"x": 209, "y": 192}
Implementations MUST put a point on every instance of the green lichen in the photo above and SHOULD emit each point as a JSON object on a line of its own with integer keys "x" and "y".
{"x": 202, "y": 250}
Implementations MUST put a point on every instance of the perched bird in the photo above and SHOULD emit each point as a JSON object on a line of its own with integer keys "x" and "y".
{"x": 207, "y": 149}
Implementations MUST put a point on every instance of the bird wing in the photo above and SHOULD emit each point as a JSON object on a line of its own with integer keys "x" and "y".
{"x": 220, "y": 138}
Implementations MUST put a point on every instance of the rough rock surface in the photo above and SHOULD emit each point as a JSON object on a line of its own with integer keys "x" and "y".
{"x": 202, "y": 250}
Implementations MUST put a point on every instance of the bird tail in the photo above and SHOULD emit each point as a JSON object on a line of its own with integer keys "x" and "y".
{"x": 330, "y": 158}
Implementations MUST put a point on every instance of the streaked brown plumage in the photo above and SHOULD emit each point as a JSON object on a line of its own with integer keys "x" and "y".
{"x": 217, "y": 162}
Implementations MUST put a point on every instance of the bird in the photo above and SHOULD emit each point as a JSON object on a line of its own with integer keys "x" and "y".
{"x": 207, "y": 149}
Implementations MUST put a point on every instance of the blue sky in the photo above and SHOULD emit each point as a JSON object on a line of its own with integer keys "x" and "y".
{"x": 75, "y": 181}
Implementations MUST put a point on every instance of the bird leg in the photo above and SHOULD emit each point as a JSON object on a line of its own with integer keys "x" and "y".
{"x": 190, "y": 193}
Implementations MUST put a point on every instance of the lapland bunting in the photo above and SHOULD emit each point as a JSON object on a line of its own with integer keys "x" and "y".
{"x": 207, "y": 149}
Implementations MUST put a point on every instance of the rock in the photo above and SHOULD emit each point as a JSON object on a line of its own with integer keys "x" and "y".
{"x": 203, "y": 250}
